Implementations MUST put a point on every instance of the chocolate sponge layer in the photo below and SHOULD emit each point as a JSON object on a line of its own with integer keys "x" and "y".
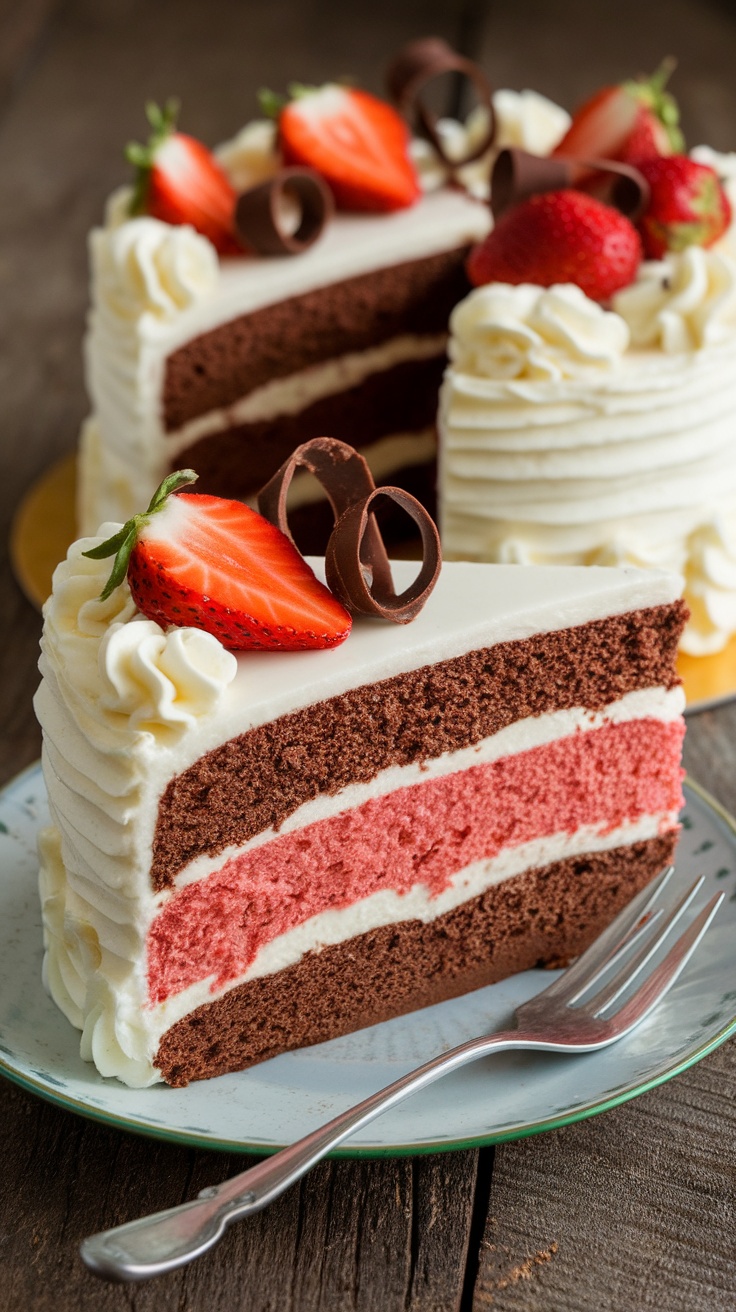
{"x": 255, "y": 781}
{"x": 238, "y": 461}
{"x": 543, "y": 916}
{"x": 220, "y": 366}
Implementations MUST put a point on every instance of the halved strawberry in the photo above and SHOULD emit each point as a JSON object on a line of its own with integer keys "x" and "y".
{"x": 208, "y": 563}
{"x": 626, "y": 122}
{"x": 358, "y": 143}
{"x": 180, "y": 181}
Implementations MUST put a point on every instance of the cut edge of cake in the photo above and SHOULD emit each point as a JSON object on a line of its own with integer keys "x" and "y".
{"x": 193, "y": 792}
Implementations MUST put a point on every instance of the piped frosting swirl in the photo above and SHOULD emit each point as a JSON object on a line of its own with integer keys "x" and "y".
{"x": 505, "y": 332}
{"x": 681, "y": 303}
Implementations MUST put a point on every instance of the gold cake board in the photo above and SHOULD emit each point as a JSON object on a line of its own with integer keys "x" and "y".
{"x": 44, "y": 526}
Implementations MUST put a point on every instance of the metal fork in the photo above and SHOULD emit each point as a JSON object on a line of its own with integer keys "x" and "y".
{"x": 563, "y": 1018}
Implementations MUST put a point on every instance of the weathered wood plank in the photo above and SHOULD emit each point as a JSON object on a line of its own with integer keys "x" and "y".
{"x": 24, "y": 25}
{"x": 634, "y": 1209}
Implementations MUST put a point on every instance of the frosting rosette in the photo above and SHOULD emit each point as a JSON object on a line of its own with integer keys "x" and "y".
{"x": 144, "y": 266}
{"x": 74, "y": 606}
{"x": 158, "y": 678}
{"x": 681, "y": 303}
{"x": 710, "y": 587}
{"x": 136, "y": 673}
{"x": 528, "y": 332}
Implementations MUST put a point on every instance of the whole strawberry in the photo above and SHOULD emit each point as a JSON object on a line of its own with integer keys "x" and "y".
{"x": 208, "y": 563}
{"x": 687, "y": 205}
{"x": 558, "y": 237}
{"x": 179, "y": 180}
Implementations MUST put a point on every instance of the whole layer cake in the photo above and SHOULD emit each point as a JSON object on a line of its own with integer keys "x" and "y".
{"x": 588, "y": 414}
{"x": 226, "y": 362}
{"x": 255, "y": 852}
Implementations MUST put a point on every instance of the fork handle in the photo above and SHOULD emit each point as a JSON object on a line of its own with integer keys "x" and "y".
{"x": 166, "y": 1240}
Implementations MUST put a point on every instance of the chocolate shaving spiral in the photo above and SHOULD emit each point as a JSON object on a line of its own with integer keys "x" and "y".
{"x": 260, "y": 212}
{"x": 355, "y": 585}
{"x": 417, "y": 64}
{"x": 357, "y": 565}
{"x": 517, "y": 175}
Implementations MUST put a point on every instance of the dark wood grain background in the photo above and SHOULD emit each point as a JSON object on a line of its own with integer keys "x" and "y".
{"x": 632, "y": 1210}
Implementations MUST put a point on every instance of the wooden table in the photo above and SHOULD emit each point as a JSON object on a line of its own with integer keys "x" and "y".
{"x": 631, "y": 1210}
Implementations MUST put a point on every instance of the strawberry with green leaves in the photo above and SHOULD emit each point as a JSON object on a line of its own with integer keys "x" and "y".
{"x": 560, "y": 237}
{"x": 628, "y": 122}
{"x": 204, "y": 562}
{"x": 358, "y": 143}
{"x": 180, "y": 181}
{"x": 687, "y": 205}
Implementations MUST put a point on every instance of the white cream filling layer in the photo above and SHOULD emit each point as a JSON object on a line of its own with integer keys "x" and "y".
{"x": 665, "y": 705}
{"x": 83, "y": 973}
{"x": 128, "y": 344}
{"x": 288, "y": 396}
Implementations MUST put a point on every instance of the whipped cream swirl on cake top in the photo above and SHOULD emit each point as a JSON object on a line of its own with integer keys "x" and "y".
{"x": 127, "y": 670}
{"x": 681, "y": 303}
{"x": 144, "y": 266}
{"x": 506, "y": 332}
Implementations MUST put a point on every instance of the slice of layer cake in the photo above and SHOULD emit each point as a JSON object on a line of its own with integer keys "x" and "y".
{"x": 257, "y": 852}
{"x": 200, "y": 352}
{"x": 229, "y": 365}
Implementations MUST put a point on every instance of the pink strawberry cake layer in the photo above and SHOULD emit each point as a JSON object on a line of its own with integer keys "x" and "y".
{"x": 254, "y": 852}
{"x": 424, "y": 835}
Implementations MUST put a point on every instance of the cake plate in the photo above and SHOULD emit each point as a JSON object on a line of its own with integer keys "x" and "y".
{"x": 44, "y": 526}
{"x": 260, "y": 1110}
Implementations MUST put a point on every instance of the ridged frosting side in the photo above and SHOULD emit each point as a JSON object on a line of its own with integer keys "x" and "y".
{"x": 574, "y": 435}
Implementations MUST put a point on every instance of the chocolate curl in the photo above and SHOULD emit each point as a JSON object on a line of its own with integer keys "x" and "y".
{"x": 517, "y": 175}
{"x": 417, "y": 64}
{"x": 355, "y": 585}
{"x": 346, "y": 478}
{"x": 357, "y": 565}
{"x": 616, "y": 184}
{"x": 261, "y": 213}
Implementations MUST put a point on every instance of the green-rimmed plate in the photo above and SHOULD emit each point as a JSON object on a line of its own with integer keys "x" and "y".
{"x": 261, "y": 1109}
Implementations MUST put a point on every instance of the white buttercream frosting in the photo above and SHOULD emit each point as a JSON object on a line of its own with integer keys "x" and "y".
{"x": 626, "y": 456}
{"x": 501, "y": 331}
{"x": 681, "y": 303}
{"x": 144, "y": 266}
{"x": 158, "y": 678}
